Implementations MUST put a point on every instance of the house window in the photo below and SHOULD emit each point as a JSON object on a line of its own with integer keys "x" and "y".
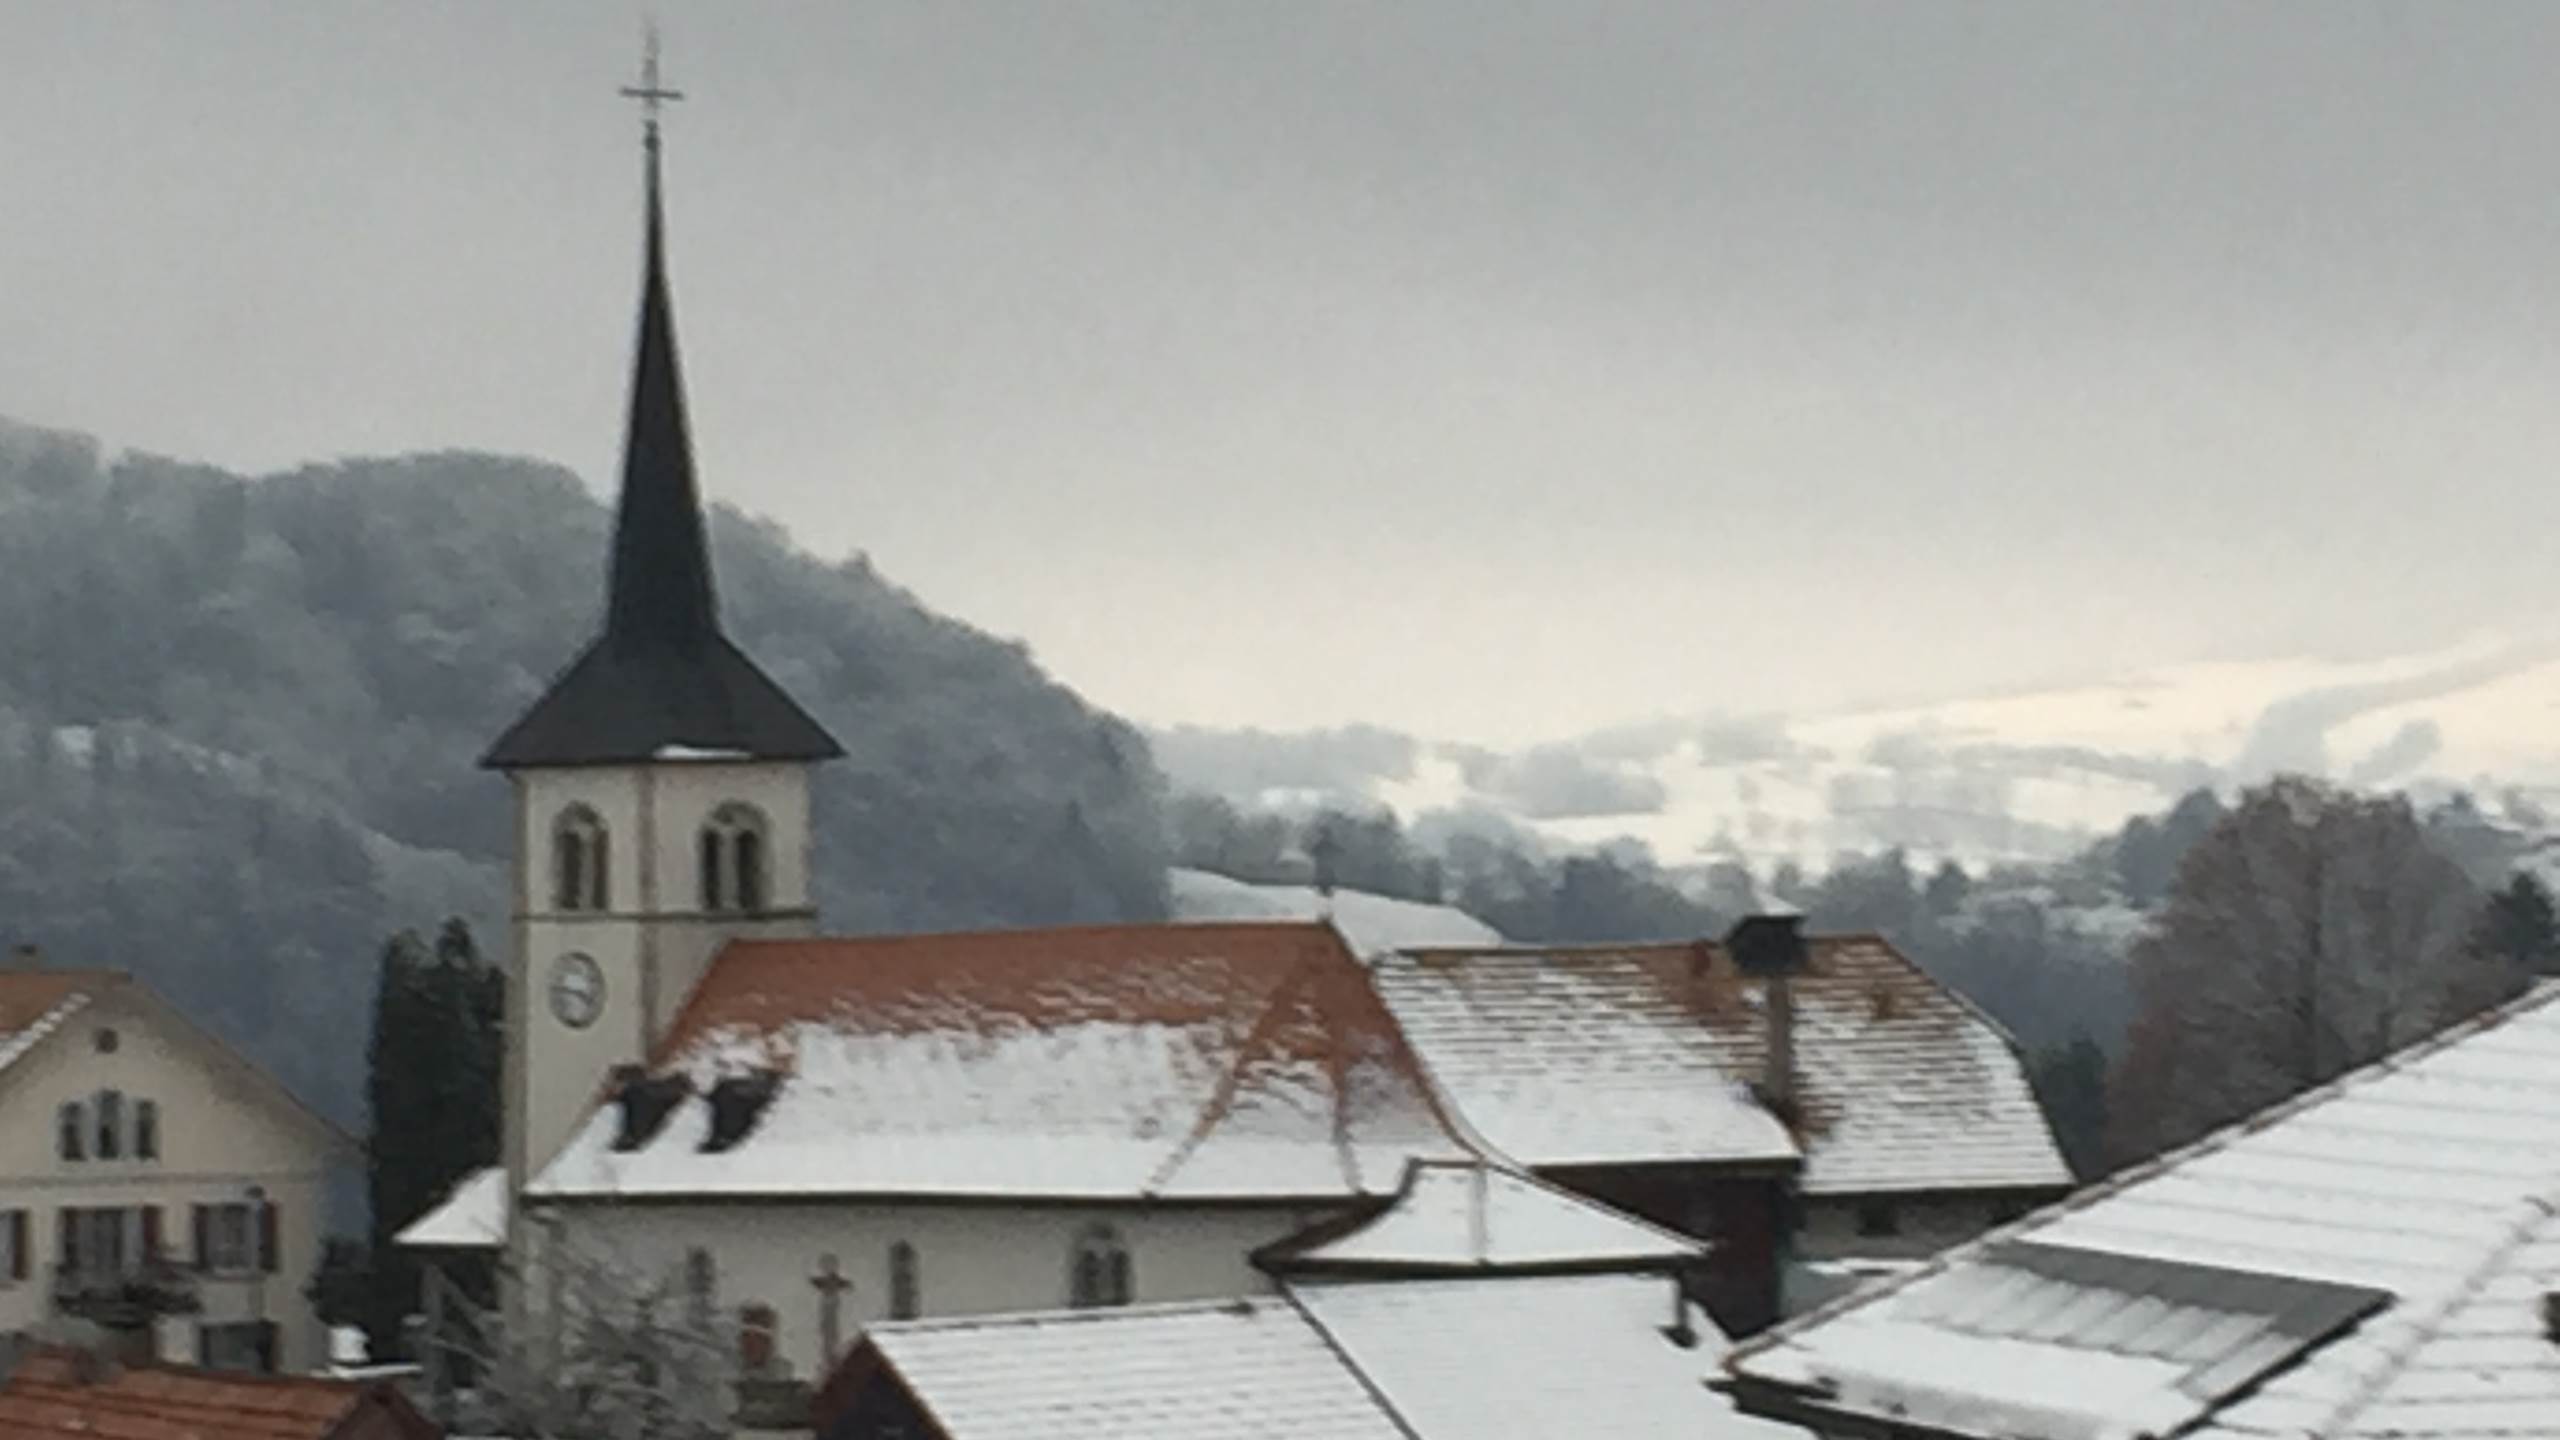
{"x": 1878, "y": 1218}
{"x": 70, "y": 1136}
{"x": 110, "y": 1125}
{"x": 228, "y": 1236}
{"x": 906, "y": 1286}
{"x": 732, "y": 858}
{"x": 105, "y": 1040}
{"x": 92, "y": 1240}
{"x": 146, "y": 1130}
{"x": 578, "y": 855}
{"x": 1101, "y": 1271}
{"x": 13, "y": 1245}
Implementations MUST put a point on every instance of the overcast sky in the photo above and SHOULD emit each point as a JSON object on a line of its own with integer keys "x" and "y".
{"x": 1491, "y": 370}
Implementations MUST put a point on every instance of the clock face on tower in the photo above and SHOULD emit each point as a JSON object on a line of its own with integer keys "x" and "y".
{"x": 577, "y": 991}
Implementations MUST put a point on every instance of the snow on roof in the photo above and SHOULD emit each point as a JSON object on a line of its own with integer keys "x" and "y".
{"x": 2425, "y": 1181}
{"x": 1233, "y": 1061}
{"x": 1213, "y": 1370}
{"x": 35, "y": 1003}
{"x": 1647, "y": 1053}
{"x": 472, "y": 1216}
{"x": 1472, "y": 1216}
{"x": 1372, "y": 924}
{"x": 1585, "y": 1356}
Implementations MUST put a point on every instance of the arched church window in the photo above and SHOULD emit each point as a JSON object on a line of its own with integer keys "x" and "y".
{"x": 578, "y": 855}
{"x": 731, "y": 853}
{"x": 1100, "y": 1275}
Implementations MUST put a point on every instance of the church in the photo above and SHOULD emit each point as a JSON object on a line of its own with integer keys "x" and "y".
{"x": 813, "y": 1135}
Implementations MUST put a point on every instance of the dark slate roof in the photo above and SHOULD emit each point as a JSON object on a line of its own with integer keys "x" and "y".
{"x": 662, "y": 674}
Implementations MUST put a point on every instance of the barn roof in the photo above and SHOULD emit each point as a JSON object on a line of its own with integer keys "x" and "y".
{"x": 1634, "y": 1054}
{"x": 1210, "y": 1061}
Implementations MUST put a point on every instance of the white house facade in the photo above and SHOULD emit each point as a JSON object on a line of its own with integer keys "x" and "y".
{"x": 137, "y": 1151}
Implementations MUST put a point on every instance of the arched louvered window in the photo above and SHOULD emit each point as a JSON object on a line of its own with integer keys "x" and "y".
{"x": 1100, "y": 1274}
{"x": 731, "y": 854}
{"x": 579, "y": 856}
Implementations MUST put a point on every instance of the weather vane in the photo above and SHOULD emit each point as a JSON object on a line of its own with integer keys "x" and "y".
{"x": 651, "y": 95}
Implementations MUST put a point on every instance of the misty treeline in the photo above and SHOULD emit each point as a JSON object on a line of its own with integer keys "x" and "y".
{"x": 239, "y": 723}
{"x": 2188, "y": 969}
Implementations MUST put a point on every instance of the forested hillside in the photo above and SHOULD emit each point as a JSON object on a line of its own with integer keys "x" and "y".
{"x": 239, "y": 720}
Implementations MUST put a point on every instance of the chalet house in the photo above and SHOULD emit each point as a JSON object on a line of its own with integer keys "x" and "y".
{"x": 152, "y": 1180}
{"x": 1790, "y": 1099}
{"x": 1478, "y": 1301}
{"x": 2378, "y": 1257}
{"x": 60, "y": 1395}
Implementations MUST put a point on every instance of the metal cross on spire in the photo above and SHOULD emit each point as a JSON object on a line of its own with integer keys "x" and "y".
{"x": 651, "y": 95}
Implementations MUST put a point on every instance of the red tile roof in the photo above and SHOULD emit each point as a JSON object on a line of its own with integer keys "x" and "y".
{"x": 1226, "y": 1059}
{"x": 47, "y": 1397}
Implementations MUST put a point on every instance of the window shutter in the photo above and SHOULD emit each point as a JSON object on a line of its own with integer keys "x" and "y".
{"x": 151, "y": 1240}
{"x": 268, "y": 1259}
{"x": 203, "y": 1218}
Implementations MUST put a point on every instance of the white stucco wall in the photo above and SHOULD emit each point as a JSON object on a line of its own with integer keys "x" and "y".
{"x": 972, "y": 1259}
{"x": 220, "y": 1131}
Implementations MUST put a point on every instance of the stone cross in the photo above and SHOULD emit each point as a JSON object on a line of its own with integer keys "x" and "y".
{"x": 830, "y": 1284}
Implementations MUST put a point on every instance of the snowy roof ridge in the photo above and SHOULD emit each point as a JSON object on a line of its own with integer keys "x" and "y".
{"x": 2534, "y": 1216}
{"x": 1040, "y": 1319}
{"x": 1507, "y": 1222}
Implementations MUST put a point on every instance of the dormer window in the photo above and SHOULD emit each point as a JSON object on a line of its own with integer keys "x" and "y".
{"x": 578, "y": 856}
{"x": 732, "y": 857}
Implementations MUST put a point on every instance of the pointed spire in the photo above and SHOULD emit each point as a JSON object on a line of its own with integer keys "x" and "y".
{"x": 661, "y": 677}
{"x": 661, "y": 595}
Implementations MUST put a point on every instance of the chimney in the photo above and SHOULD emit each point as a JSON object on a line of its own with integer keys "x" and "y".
{"x": 1770, "y": 948}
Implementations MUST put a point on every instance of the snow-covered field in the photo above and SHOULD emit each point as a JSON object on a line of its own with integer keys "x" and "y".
{"x": 2031, "y": 775}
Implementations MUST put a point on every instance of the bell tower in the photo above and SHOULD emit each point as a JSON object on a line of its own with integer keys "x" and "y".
{"x": 661, "y": 784}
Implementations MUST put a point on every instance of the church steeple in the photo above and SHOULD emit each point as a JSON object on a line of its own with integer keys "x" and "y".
{"x": 660, "y": 595}
{"x": 662, "y": 677}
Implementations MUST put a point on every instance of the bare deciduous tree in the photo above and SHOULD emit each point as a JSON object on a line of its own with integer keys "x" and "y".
{"x": 2310, "y": 931}
{"x": 609, "y": 1353}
